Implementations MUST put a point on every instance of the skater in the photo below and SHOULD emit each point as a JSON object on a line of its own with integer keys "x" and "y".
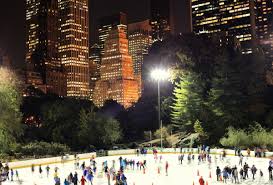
{"x": 40, "y": 170}
{"x": 57, "y": 181}
{"x": 90, "y": 177}
{"x": 32, "y": 168}
{"x": 235, "y": 175}
{"x": 83, "y": 180}
{"x": 245, "y": 170}
{"x": 166, "y": 167}
{"x": 248, "y": 152}
{"x": 225, "y": 175}
{"x": 17, "y": 174}
{"x": 47, "y": 171}
{"x": 83, "y": 165}
{"x": 218, "y": 173}
{"x": 108, "y": 178}
{"x": 66, "y": 182}
{"x": 201, "y": 181}
{"x": 70, "y": 178}
{"x": 75, "y": 179}
{"x": 270, "y": 172}
{"x": 253, "y": 171}
{"x": 241, "y": 160}
{"x": 241, "y": 173}
{"x": 261, "y": 173}
{"x": 123, "y": 179}
{"x": 11, "y": 174}
{"x": 189, "y": 158}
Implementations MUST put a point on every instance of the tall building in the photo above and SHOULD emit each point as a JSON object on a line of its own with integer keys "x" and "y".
{"x": 73, "y": 48}
{"x": 117, "y": 81}
{"x": 44, "y": 68}
{"x": 5, "y": 60}
{"x": 180, "y": 16}
{"x": 236, "y": 18}
{"x": 94, "y": 67}
{"x": 264, "y": 26}
{"x": 106, "y": 24}
{"x": 160, "y": 19}
{"x": 140, "y": 40}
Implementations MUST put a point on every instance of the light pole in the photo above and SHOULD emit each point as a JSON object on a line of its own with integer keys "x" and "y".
{"x": 159, "y": 75}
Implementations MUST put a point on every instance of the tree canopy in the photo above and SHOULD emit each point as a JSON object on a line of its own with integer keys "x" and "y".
{"x": 10, "y": 115}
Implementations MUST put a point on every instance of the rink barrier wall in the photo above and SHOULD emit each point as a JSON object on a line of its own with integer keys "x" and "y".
{"x": 184, "y": 150}
{"x": 47, "y": 161}
{"x": 55, "y": 160}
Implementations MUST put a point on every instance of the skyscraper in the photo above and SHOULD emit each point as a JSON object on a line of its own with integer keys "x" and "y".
{"x": 107, "y": 23}
{"x": 73, "y": 48}
{"x": 264, "y": 26}
{"x": 117, "y": 81}
{"x": 5, "y": 60}
{"x": 180, "y": 16}
{"x": 236, "y": 18}
{"x": 44, "y": 68}
{"x": 94, "y": 67}
{"x": 160, "y": 19}
{"x": 140, "y": 40}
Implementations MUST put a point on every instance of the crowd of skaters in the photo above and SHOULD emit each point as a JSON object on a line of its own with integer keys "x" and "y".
{"x": 235, "y": 174}
{"x": 6, "y": 173}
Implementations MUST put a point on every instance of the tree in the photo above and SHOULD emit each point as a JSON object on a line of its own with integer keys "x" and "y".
{"x": 60, "y": 121}
{"x": 165, "y": 135}
{"x": 10, "y": 115}
{"x": 235, "y": 137}
{"x": 188, "y": 101}
{"x": 86, "y": 133}
{"x": 97, "y": 129}
{"x": 109, "y": 130}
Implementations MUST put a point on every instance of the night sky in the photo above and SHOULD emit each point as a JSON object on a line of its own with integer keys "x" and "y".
{"x": 12, "y": 19}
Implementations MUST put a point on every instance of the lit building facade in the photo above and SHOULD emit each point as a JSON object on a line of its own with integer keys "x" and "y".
{"x": 140, "y": 40}
{"x": 73, "y": 47}
{"x": 106, "y": 24}
{"x": 117, "y": 80}
{"x": 44, "y": 69}
{"x": 160, "y": 19}
{"x": 236, "y": 18}
{"x": 264, "y": 26}
{"x": 94, "y": 67}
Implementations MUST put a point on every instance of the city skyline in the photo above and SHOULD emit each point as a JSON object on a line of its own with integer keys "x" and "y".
{"x": 58, "y": 44}
{"x": 12, "y": 16}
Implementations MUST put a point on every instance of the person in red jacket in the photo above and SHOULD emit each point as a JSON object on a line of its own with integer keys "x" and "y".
{"x": 201, "y": 181}
{"x": 83, "y": 181}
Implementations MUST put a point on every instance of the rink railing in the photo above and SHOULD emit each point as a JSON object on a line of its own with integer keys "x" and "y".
{"x": 51, "y": 160}
{"x": 70, "y": 158}
{"x": 184, "y": 150}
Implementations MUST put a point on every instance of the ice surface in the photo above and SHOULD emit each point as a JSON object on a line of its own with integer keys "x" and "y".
{"x": 185, "y": 174}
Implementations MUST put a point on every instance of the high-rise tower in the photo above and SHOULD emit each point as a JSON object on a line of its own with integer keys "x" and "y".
{"x": 73, "y": 48}
{"x": 180, "y": 16}
{"x": 235, "y": 18}
{"x": 160, "y": 19}
{"x": 264, "y": 26}
{"x": 44, "y": 68}
{"x": 108, "y": 23}
{"x": 140, "y": 40}
{"x": 117, "y": 80}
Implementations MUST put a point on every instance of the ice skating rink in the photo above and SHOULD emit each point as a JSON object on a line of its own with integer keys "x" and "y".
{"x": 184, "y": 174}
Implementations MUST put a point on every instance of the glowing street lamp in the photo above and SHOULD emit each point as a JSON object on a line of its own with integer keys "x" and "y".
{"x": 159, "y": 75}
